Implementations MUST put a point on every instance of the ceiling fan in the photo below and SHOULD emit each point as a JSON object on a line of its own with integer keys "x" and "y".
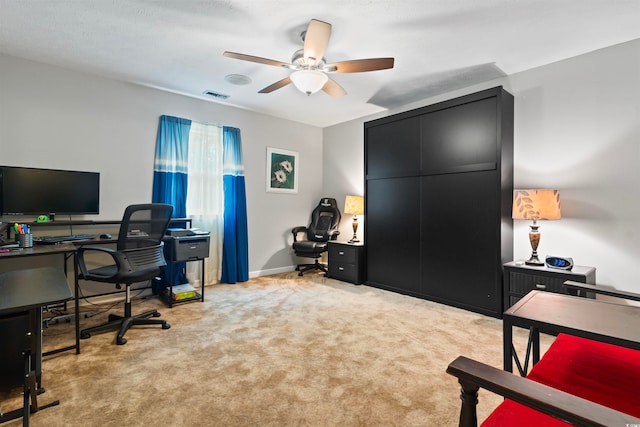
{"x": 310, "y": 69}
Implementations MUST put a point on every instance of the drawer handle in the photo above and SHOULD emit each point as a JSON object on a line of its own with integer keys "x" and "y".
{"x": 341, "y": 253}
{"x": 341, "y": 268}
{"x": 541, "y": 286}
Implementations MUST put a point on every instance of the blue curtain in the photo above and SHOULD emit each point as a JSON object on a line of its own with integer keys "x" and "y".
{"x": 170, "y": 176}
{"x": 170, "y": 166}
{"x": 235, "y": 248}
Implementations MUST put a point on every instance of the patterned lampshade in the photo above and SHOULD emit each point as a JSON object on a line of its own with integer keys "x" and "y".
{"x": 536, "y": 204}
{"x": 354, "y": 205}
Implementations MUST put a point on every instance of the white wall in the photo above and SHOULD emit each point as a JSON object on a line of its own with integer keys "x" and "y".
{"x": 56, "y": 118}
{"x": 577, "y": 128}
{"x": 344, "y": 170}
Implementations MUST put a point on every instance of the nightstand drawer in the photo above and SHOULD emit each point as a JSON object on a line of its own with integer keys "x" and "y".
{"x": 343, "y": 253}
{"x": 341, "y": 271}
{"x": 523, "y": 283}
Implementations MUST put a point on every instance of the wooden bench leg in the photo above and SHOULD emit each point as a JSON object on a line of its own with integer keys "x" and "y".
{"x": 469, "y": 397}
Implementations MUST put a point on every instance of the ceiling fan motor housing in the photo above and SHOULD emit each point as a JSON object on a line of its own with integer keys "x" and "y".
{"x": 300, "y": 62}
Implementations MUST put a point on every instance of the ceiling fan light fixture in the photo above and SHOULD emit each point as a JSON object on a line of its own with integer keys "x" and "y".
{"x": 309, "y": 81}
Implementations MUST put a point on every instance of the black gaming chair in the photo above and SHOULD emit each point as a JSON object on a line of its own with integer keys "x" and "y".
{"x": 324, "y": 227}
{"x": 138, "y": 257}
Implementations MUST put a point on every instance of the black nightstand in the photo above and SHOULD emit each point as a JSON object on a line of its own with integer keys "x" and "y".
{"x": 519, "y": 279}
{"x": 346, "y": 262}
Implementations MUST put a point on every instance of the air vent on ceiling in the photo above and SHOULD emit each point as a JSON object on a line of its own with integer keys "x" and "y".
{"x": 237, "y": 79}
{"x": 215, "y": 94}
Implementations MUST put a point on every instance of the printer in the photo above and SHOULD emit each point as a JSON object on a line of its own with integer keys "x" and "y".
{"x": 186, "y": 244}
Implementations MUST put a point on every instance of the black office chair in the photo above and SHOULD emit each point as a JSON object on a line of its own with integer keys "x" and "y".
{"x": 138, "y": 257}
{"x": 324, "y": 227}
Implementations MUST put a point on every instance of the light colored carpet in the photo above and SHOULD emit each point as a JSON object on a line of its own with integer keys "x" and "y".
{"x": 275, "y": 351}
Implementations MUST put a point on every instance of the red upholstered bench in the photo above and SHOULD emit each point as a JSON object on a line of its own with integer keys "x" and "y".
{"x": 583, "y": 381}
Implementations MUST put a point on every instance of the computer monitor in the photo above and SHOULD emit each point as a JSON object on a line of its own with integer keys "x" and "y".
{"x": 33, "y": 191}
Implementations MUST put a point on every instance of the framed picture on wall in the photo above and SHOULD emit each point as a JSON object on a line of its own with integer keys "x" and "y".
{"x": 282, "y": 171}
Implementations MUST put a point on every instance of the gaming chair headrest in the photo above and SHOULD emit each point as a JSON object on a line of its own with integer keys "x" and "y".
{"x": 324, "y": 218}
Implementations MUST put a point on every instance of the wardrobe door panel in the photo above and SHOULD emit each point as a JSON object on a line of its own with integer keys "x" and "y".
{"x": 392, "y": 234}
{"x": 461, "y": 138}
{"x": 460, "y": 223}
{"x": 393, "y": 149}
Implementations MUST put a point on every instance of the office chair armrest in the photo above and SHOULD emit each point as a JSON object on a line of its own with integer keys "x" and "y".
{"x": 127, "y": 263}
{"x": 333, "y": 235}
{"x": 101, "y": 249}
{"x": 296, "y": 230}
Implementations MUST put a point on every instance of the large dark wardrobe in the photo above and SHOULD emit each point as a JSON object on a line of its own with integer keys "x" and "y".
{"x": 438, "y": 193}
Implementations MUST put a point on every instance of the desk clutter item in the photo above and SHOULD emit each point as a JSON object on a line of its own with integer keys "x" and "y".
{"x": 181, "y": 292}
{"x": 50, "y": 240}
{"x": 563, "y": 263}
{"x": 25, "y": 240}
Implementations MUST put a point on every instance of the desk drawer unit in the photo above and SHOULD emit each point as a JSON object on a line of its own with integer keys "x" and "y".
{"x": 346, "y": 262}
{"x": 519, "y": 280}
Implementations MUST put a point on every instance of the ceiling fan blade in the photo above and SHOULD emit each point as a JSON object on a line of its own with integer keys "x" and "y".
{"x": 360, "y": 65}
{"x": 257, "y": 59}
{"x": 334, "y": 89}
{"x": 316, "y": 40}
{"x": 277, "y": 85}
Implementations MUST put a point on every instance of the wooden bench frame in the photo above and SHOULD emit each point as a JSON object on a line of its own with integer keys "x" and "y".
{"x": 473, "y": 375}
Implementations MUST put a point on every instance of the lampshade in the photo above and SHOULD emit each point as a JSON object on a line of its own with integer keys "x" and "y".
{"x": 354, "y": 205}
{"x": 309, "y": 81}
{"x": 536, "y": 204}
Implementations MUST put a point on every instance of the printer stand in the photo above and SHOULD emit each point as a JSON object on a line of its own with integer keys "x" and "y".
{"x": 186, "y": 248}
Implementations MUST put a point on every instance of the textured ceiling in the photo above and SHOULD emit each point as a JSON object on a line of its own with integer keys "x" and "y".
{"x": 438, "y": 45}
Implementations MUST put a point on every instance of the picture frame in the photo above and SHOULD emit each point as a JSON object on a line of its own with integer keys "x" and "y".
{"x": 282, "y": 170}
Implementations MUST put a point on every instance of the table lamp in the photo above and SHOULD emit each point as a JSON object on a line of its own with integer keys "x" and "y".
{"x": 354, "y": 205}
{"x": 536, "y": 205}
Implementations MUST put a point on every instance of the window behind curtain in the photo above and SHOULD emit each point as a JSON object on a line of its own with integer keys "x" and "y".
{"x": 205, "y": 201}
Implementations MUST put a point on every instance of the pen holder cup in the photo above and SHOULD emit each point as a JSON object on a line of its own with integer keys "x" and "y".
{"x": 25, "y": 240}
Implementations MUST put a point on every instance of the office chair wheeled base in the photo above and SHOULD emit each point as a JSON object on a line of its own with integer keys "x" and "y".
{"x": 302, "y": 268}
{"x": 125, "y": 322}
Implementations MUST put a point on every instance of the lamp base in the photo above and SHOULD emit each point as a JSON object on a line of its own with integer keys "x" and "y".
{"x": 534, "y": 260}
{"x": 354, "y": 225}
{"x": 534, "y": 240}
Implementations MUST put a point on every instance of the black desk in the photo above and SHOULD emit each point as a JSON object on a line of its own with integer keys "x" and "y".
{"x": 23, "y": 290}
{"x": 24, "y": 293}
{"x": 66, "y": 250}
{"x": 552, "y": 313}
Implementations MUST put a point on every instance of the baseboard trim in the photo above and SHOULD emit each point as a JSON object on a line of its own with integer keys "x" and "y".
{"x": 270, "y": 271}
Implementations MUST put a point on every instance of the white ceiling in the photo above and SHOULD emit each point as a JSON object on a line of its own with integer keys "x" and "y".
{"x": 438, "y": 45}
